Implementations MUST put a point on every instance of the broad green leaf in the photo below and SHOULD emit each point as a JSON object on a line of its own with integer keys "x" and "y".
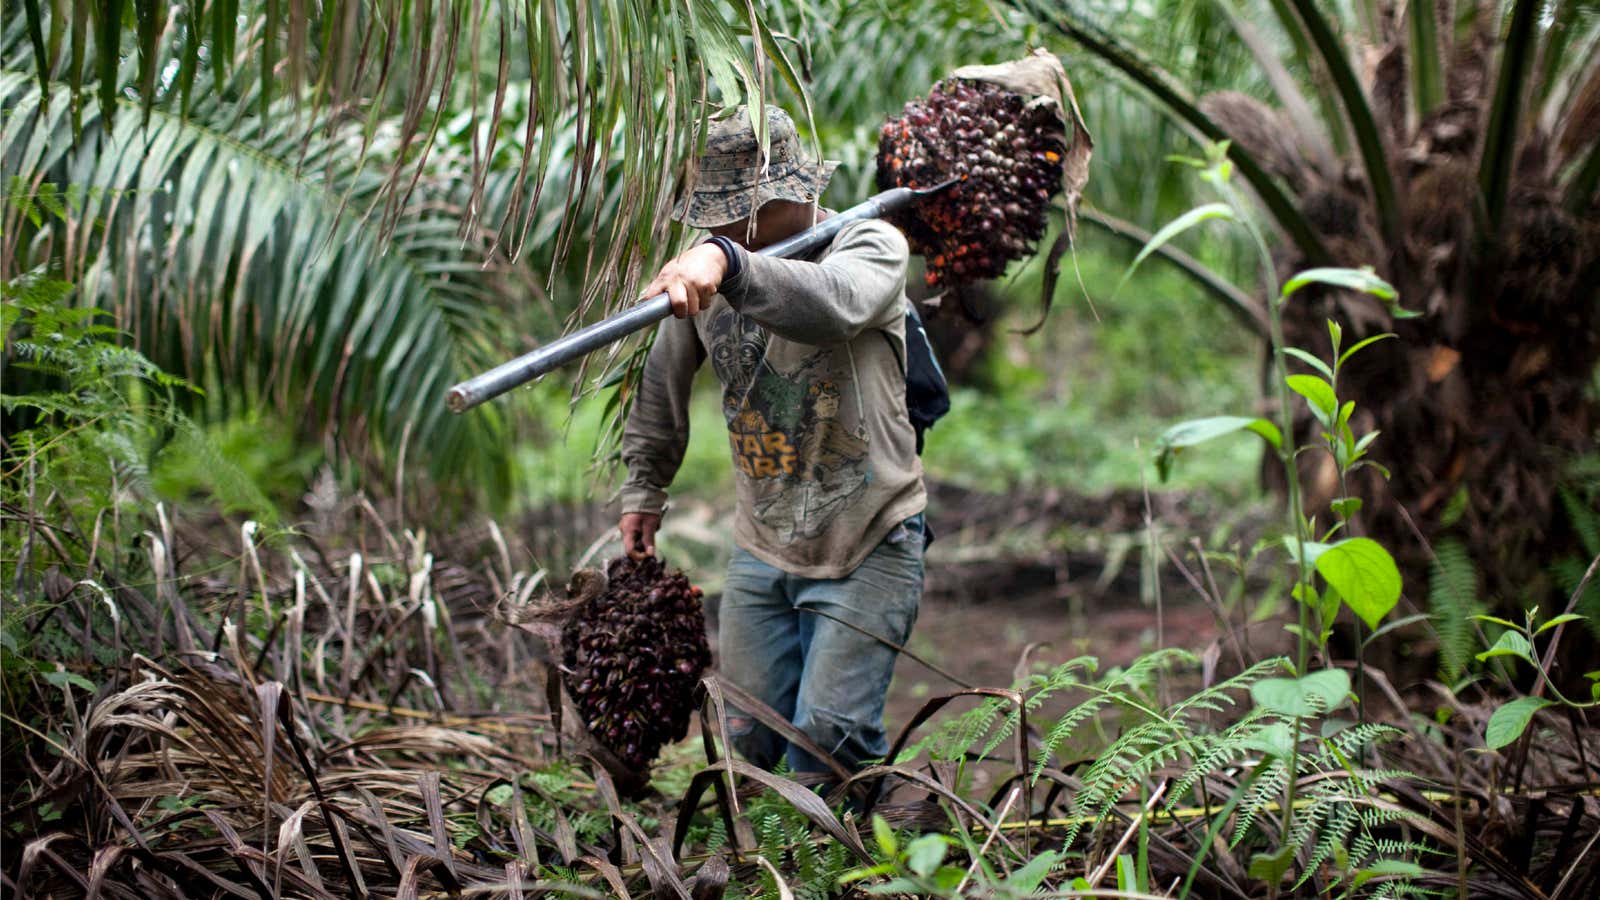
{"x": 1560, "y": 620}
{"x": 1365, "y": 575}
{"x": 1276, "y": 739}
{"x": 1511, "y": 720}
{"x": 1308, "y": 695}
{"x": 1196, "y": 431}
{"x": 1364, "y": 280}
{"x": 1512, "y": 643}
{"x": 1318, "y": 392}
{"x": 924, "y": 854}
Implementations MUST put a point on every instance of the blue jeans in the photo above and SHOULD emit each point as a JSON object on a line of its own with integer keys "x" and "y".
{"x": 827, "y": 678}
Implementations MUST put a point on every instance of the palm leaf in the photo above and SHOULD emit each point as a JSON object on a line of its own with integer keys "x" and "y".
{"x": 1427, "y": 61}
{"x": 1505, "y": 113}
{"x": 261, "y": 284}
{"x": 1374, "y": 157}
{"x": 596, "y": 64}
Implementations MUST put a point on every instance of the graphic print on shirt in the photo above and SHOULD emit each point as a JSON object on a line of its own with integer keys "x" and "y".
{"x": 787, "y": 432}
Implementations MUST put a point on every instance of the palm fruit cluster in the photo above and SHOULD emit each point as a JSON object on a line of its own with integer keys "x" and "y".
{"x": 633, "y": 654}
{"x": 1007, "y": 155}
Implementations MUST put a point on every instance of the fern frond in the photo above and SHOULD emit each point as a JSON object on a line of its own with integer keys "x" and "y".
{"x": 1066, "y": 725}
{"x": 1585, "y": 521}
{"x": 1226, "y": 749}
{"x": 1452, "y": 602}
{"x": 1221, "y": 692}
{"x": 1266, "y": 789}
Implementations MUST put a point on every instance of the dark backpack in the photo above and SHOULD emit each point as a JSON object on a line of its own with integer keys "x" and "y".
{"x": 927, "y": 392}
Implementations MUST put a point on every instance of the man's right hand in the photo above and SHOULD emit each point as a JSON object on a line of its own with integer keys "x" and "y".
{"x": 691, "y": 280}
{"x": 639, "y": 533}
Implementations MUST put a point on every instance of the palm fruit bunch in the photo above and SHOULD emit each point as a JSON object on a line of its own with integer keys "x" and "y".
{"x": 633, "y": 654}
{"x": 1007, "y": 154}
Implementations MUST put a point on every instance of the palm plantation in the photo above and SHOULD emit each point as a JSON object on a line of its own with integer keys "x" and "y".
{"x": 326, "y": 214}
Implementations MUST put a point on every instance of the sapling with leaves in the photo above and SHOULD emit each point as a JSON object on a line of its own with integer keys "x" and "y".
{"x": 1510, "y": 720}
{"x": 1333, "y": 567}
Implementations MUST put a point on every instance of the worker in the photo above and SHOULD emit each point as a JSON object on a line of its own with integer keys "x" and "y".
{"x": 829, "y": 534}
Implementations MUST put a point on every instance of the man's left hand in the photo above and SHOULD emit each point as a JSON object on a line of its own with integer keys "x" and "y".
{"x": 691, "y": 280}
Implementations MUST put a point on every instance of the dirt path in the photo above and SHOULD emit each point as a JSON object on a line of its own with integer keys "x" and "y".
{"x": 983, "y": 642}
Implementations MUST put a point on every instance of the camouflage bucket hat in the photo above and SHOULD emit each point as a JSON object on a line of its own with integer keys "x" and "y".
{"x": 731, "y": 181}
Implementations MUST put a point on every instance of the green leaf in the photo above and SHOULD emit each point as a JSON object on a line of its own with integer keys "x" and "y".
{"x": 924, "y": 854}
{"x": 1365, "y": 575}
{"x": 61, "y": 678}
{"x": 1271, "y": 867}
{"x": 884, "y": 834}
{"x": 1392, "y": 867}
{"x": 1364, "y": 280}
{"x": 1511, "y": 720}
{"x": 863, "y": 874}
{"x": 1171, "y": 230}
{"x": 1318, "y": 392}
{"x": 1276, "y": 739}
{"x": 1127, "y": 875}
{"x": 1309, "y": 695}
{"x": 1313, "y": 550}
{"x": 1345, "y": 507}
{"x": 1560, "y": 620}
{"x": 1196, "y": 431}
{"x": 1310, "y": 360}
{"x": 1345, "y": 356}
{"x": 1496, "y": 620}
{"x": 1512, "y": 643}
{"x": 1027, "y": 879}
{"x": 1328, "y": 609}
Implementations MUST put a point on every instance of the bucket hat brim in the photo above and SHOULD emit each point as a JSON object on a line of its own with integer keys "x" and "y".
{"x": 710, "y": 207}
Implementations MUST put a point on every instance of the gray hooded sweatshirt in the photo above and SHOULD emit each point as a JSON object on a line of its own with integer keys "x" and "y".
{"x": 810, "y": 356}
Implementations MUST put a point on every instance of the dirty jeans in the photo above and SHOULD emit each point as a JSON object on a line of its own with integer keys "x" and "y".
{"x": 825, "y": 677}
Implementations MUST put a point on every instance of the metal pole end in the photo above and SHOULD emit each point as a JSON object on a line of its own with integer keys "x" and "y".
{"x": 457, "y": 400}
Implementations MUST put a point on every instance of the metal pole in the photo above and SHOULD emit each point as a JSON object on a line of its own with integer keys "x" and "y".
{"x": 557, "y": 353}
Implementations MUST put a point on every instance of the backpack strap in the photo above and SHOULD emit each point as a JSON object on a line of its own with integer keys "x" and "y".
{"x": 927, "y": 392}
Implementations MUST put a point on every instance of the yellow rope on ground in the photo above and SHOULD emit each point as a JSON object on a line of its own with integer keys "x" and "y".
{"x": 435, "y": 718}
